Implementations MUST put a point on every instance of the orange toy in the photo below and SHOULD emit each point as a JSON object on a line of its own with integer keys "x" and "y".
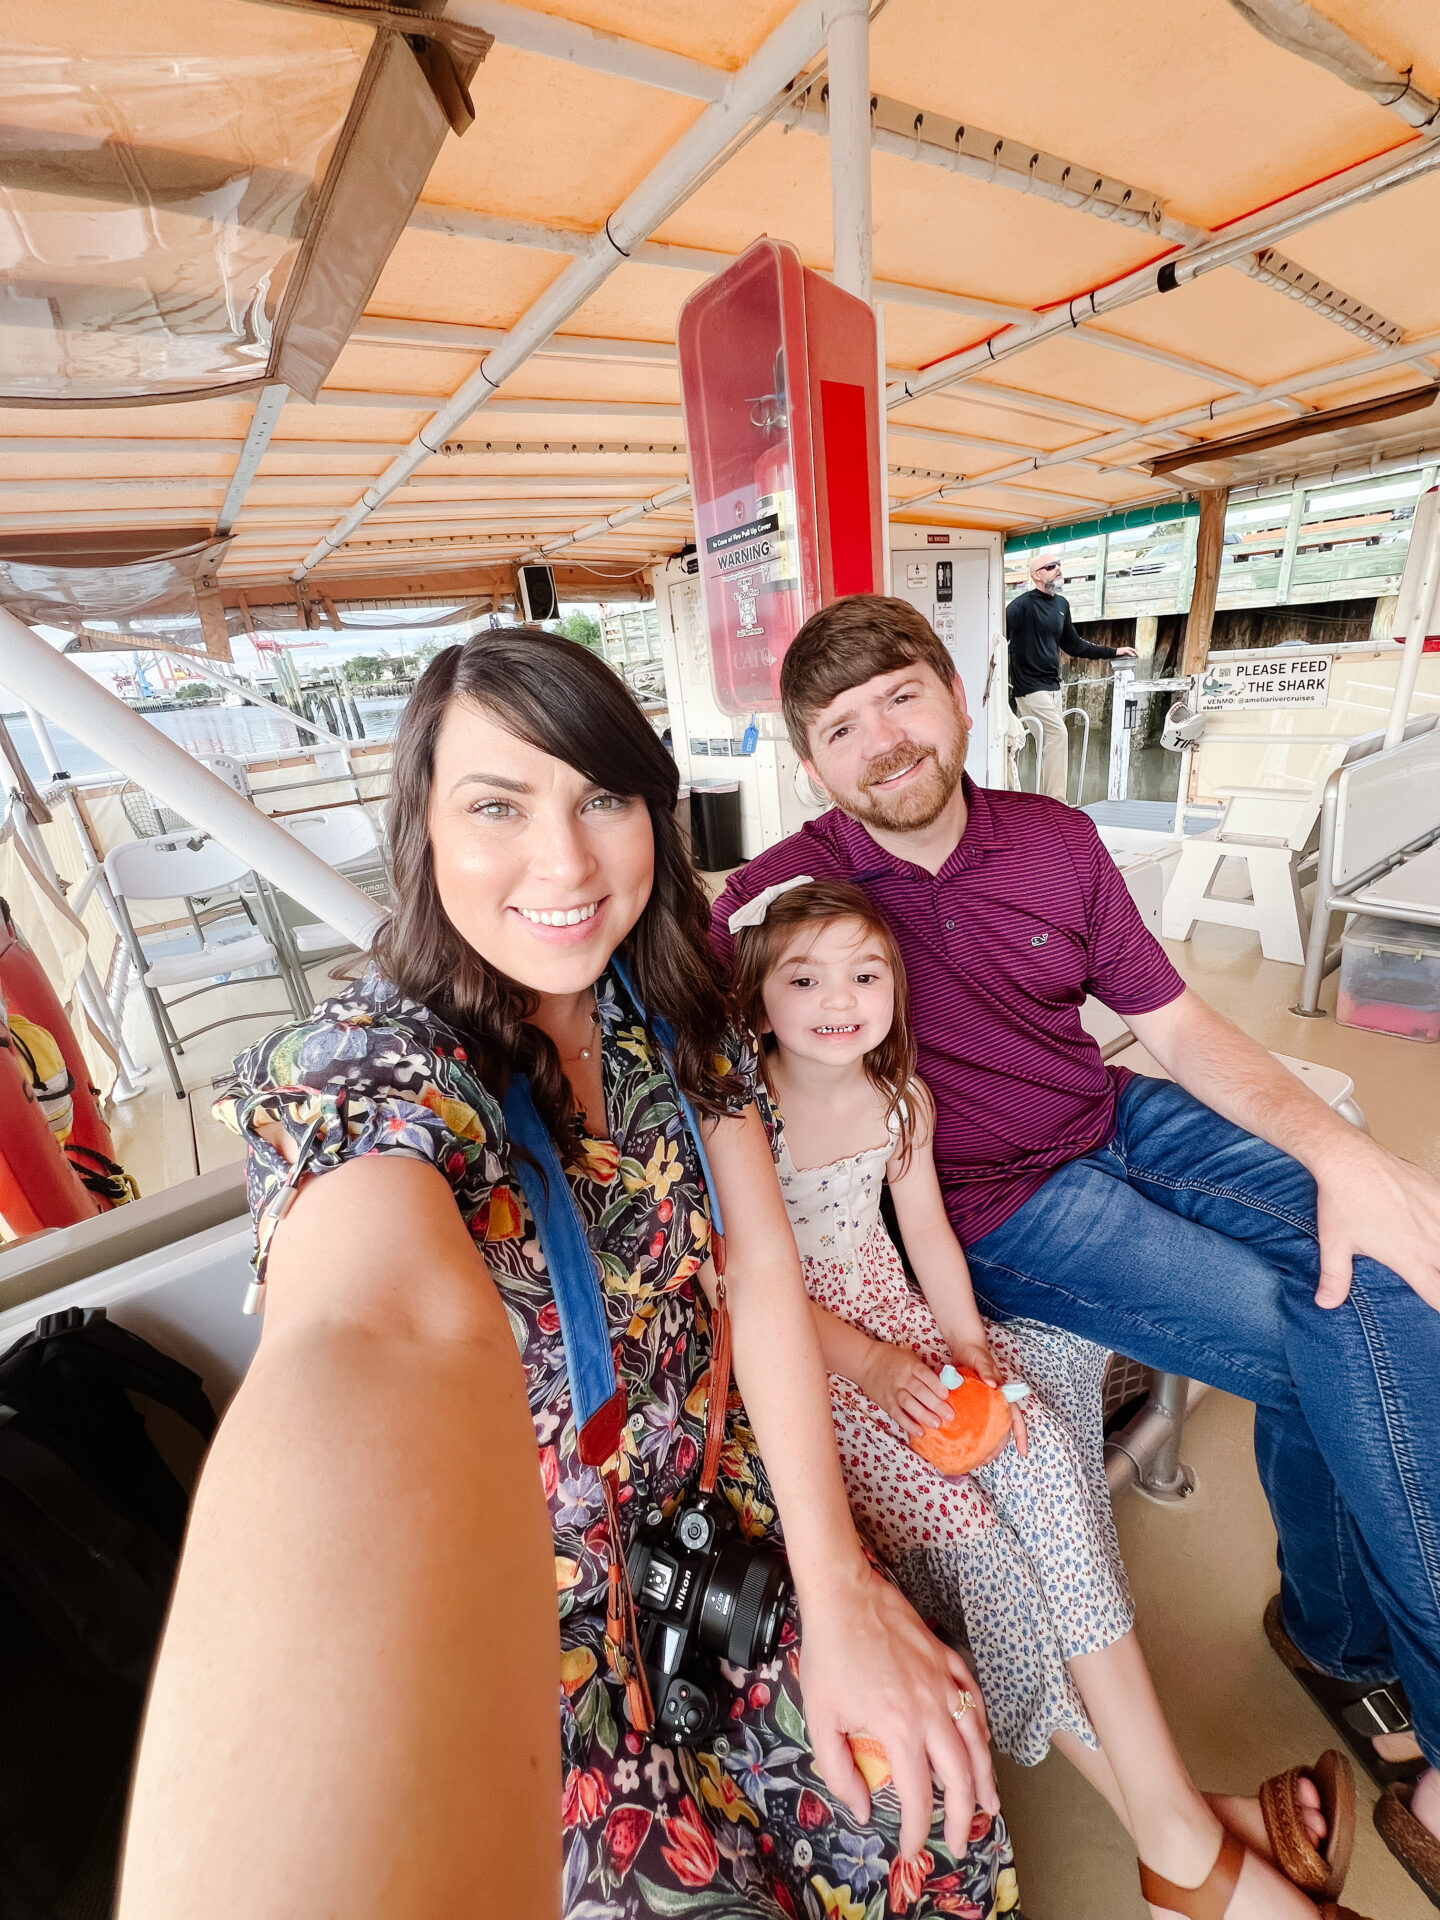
{"x": 978, "y": 1427}
{"x": 870, "y": 1758}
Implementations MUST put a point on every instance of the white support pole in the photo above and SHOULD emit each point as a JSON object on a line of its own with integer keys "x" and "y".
{"x": 43, "y": 741}
{"x": 1292, "y": 544}
{"x": 100, "y": 721}
{"x": 269, "y": 405}
{"x": 1118, "y": 781}
{"x": 1265, "y": 228}
{"x": 559, "y": 39}
{"x": 847, "y": 25}
{"x": 753, "y": 90}
{"x": 607, "y": 522}
{"x": 1415, "y": 609}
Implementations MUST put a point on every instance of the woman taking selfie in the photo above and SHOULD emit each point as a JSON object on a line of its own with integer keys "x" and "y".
{"x": 537, "y": 1070}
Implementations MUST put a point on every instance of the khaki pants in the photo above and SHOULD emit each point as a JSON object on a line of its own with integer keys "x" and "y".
{"x": 1054, "y": 741}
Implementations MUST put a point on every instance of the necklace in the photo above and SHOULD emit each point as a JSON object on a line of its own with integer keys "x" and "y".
{"x": 594, "y": 1022}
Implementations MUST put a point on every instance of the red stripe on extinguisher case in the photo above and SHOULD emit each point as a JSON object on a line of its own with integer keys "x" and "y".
{"x": 847, "y": 491}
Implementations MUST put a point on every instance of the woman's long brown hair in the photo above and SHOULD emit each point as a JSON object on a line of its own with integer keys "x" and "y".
{"x": 890, "y": 1067}
{"x": 558, "y": 697}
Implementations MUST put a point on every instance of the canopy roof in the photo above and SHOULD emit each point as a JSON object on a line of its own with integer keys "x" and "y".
{"x": 1025, "y": 158}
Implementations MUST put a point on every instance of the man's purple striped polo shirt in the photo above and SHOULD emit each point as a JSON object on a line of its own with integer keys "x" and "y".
{"x": 1026, "y": 917}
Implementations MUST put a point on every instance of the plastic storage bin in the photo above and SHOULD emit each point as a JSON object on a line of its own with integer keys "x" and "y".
{"x": 715, "y": 825}
{"x": 1390, "y": 978}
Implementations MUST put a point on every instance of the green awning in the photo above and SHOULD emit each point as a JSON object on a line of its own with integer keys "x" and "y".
{"x": 1107, "y": 523}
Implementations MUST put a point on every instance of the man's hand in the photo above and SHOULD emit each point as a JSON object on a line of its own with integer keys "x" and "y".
{"x": 1370, "y": 1201}
{"x": 1127, "y": 653}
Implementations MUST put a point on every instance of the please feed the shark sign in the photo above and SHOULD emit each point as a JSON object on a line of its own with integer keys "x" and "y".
{"x": 1282, "y": 680}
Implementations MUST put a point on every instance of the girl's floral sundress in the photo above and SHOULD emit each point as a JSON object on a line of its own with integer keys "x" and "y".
{"x": 1019, "y": 1560}
{"x": 743, "y": 1825}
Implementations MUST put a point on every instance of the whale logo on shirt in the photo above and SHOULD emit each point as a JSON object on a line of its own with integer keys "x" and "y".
{"x": 1039, "y": 939}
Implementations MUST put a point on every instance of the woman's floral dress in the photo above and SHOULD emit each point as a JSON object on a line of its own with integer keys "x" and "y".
{"x": 743, "y": 1825}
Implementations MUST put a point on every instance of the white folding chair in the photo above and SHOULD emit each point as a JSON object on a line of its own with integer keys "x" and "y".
{"x": 344, "y": 838}
{"x": 178, "y": 866}
{"x": 229, "y": 768}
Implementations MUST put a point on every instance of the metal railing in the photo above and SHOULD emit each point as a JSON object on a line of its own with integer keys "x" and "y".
{"x": 1033, "y": 732}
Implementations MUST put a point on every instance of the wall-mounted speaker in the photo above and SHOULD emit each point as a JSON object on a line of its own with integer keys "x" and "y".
{"x": 538, "y": 598}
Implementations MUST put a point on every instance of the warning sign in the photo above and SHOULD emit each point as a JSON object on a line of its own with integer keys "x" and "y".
{"x": 753, "y": 545}
{"x": 1291, "y": 680}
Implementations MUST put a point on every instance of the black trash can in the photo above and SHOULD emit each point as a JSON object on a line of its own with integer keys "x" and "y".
{"x": 715, "y": 825}
{"x": 682, "y": 818}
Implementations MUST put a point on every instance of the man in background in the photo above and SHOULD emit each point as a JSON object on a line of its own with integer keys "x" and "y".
{"x": 1038, "y": 625}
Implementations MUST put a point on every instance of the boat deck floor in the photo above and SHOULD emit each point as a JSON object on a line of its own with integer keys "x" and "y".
{"x": 1201, "y": 1573}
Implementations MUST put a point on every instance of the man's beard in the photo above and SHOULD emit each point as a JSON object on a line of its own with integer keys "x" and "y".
{"x": 916, "y": 806}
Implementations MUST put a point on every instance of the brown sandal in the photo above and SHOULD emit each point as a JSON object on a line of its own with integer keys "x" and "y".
{"x": 1211, "y": 1899}
{"x": 1319, "y": 1874}
{"x": 1412, "y": 1844}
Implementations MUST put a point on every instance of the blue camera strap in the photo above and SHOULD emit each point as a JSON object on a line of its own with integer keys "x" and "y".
{"x": 596, "y": 1396}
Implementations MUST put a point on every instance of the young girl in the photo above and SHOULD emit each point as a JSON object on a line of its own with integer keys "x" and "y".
{"x": 1019, "y": 1558}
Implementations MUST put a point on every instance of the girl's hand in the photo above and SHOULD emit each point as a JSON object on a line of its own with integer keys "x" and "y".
{"x": 869, "y": 1668}
{"x": 976, "y": 1355}
{"x": 900, "y": 1382}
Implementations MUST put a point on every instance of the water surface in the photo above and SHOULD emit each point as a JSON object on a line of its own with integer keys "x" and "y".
{"x": 205, "y": 730}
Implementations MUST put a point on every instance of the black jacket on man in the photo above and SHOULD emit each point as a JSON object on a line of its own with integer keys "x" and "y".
{"x": 1038, "y": 625}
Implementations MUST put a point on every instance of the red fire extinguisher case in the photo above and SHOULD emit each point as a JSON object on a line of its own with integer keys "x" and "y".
{"x": 780, "y": 385}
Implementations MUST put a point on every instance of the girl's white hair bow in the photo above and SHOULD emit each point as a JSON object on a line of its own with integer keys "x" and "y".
{"x": 753, "y": 913}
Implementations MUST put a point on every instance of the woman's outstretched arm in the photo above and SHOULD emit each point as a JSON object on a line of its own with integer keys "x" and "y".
{"x": 355, "y": 1706}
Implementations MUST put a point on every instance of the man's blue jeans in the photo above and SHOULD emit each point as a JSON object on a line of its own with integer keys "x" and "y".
{"x": 1188, "y": 1244}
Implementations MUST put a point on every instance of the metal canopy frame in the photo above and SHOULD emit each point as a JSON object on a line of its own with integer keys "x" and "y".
{"x": 784, "y": 83}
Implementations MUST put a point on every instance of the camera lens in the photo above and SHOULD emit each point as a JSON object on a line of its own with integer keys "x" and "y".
{"x": 772, "y": 1619}
{"x": 760, "y": 1610}
{"x": 744, "y": 1604}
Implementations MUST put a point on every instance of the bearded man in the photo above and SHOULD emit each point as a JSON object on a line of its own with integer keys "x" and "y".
{"x": 1223, "y": 1224}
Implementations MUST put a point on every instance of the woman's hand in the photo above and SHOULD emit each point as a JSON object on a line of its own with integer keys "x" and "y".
{"x": 900, "y": 1382}
{"x": 869, "y": 1668}
{"x": 976, "y": 1355}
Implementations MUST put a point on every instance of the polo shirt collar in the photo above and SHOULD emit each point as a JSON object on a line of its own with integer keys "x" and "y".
{"x": 867, "y": 859}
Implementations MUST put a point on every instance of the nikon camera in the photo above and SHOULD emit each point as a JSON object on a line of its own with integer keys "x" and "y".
{"x": 703, "y": 1594}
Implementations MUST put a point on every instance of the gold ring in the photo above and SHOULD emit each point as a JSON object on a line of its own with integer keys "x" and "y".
{"x": 957, "y": 1714}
